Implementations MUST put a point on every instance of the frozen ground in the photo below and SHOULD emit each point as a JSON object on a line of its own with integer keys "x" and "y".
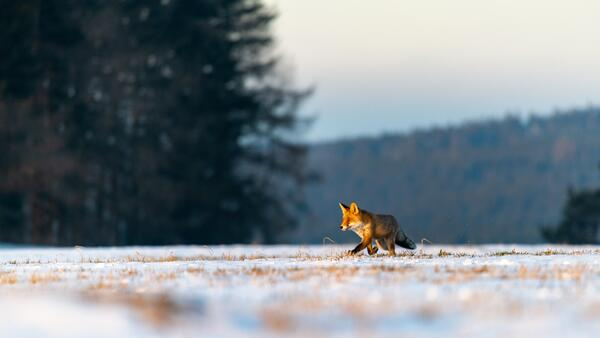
{"x": 300, "y": 291}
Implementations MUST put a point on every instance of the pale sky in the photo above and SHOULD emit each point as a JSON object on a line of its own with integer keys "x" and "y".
{"x": 385, "y": 66}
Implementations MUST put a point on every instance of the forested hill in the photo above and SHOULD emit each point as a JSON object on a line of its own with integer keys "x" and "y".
{"x": 484, "y": 182}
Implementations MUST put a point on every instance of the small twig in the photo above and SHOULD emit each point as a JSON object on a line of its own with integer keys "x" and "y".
{"x": 425, "y": 240}
{"x": 209, "y": 249}
{"x": 329, "y": 239}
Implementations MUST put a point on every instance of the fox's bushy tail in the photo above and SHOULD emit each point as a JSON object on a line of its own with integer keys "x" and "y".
{"x": 405, "y": 242}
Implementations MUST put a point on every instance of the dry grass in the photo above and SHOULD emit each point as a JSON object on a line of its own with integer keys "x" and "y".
{"x": 453, "y": 275}
{"x": 270, "y": 274}
{"x": 145, "y": 287}
{"x": 443, "y": 253}
{"x": 277, "y": 320}
{"x": 45, "y": 278}
{"x": 302, "y": 256}
{"x": 8, "y": 278}
{"x": 158, "y": 309}
{"x": 195, "y": 269}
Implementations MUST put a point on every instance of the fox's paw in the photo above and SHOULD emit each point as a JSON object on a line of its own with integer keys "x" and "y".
{"x": 373, "y": 251}
{"x": 350, "y": 253}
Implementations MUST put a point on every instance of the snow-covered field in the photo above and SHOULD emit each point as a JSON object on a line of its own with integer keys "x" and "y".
{"x": 300, "y": 291}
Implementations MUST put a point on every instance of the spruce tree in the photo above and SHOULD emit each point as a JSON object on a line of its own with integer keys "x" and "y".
{"x": 145, "y": 122}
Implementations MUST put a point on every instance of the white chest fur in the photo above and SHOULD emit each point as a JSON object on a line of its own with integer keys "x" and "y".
{"x": 358, "y": 228}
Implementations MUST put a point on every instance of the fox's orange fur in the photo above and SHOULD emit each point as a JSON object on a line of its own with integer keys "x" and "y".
{"x": 384, "y": 229}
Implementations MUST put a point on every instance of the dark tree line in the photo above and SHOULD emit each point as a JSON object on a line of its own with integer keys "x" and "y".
{"x": 580, "y": 223}
{"x": 144, "y": 122}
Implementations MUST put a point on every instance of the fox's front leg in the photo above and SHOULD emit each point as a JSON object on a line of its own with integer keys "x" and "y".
{"x": 366, "y": 241}
{"x": 360, "y": 247}
{"x": 371, "y": 249}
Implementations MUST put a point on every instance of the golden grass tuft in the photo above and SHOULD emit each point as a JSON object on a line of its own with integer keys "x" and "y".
{"x": 44, "y": 278}
{"x": 276, "y": 320}
{"x": 8, "y": 278}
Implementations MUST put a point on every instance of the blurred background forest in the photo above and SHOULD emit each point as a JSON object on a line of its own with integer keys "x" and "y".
{"x": 495, "y": 181}
{"x": 174, "y": 122}
{"x": 144, "y": 122}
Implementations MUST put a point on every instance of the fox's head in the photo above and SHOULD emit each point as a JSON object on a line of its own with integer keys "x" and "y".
{"x": 350, "y": 216}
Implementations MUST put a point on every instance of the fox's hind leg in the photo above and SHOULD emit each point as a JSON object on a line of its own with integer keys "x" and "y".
{"x": 391, "y": 246}
{"x": 380, "y": 244}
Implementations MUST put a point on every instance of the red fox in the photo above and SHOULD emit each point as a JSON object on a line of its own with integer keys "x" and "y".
{"x": 384, "y": 229}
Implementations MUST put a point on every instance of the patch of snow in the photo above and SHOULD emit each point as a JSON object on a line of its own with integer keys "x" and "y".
{"x": 300, "y": 291}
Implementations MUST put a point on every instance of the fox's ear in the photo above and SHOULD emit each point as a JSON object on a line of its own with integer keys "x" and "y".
{"x": 354, "y": 208}
{"x": 343, "y": 207}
